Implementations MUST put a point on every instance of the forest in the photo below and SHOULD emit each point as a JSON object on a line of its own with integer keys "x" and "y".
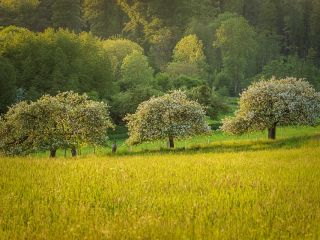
{"x": 125, "y": 51}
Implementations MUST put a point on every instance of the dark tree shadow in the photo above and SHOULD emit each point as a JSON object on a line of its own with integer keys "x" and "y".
{"x": 229, "y": 146}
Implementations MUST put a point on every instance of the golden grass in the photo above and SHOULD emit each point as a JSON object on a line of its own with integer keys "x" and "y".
{"x": 260, "y": 194}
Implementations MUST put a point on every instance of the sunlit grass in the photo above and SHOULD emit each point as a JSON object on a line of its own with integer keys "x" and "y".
{"x": 213, "y": 142}
{"x": 270, "y": 190}
{"x": 218, "y": 138}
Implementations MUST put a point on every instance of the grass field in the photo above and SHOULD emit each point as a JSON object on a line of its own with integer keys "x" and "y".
{"x": 288, "y": 137}
{"x": 221, "y": 188}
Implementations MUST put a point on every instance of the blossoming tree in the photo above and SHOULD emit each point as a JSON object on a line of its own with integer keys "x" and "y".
{"x": 66, "y": 120}
{"x": 275, "y": 102}
{"x": 168, "y": 117}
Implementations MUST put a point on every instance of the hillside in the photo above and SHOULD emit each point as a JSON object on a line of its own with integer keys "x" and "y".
{"x": 250, "y": 193}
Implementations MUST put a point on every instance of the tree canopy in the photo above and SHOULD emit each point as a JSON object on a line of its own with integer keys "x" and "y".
{"x": 67, "y": 120}
{"x": 7, "y": 84}
{"x": 237, "y": 42}
{"x": 118, "y": 50}
{"x": 170, "y": 116}
{"x": 55, "y": 61}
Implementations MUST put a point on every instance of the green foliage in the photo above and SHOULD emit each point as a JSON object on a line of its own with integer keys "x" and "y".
{"x": 237, "y": 42}
{"x": 247, "y": 35}
{"x": 7, "y": 84}
{"x": 135, "y": 70}
{"x": 268, "y": 49}
{"x": 136, "y": 85}
{"x": 189, "y": 50}
{"x": 18, "y": 12}
{"x": 170, "y": 116}
{"x": 161, "y": 48}
{"x": 211, "y": 99}
{"x": 158, "y": 25}
{"x": 272, "y": 103}
{"x": 127, "y": 101}
{"x": 55, "y": 61}
{"x": 103, "y": 17}
{"x": 67, "y": 14}
{"x": 178, "y": 69}
{"x": 118, "y": 50}
{"x": 292, "y": 66}
{"x": 188, "y": 58}
{"x": 67, "y": 120}
{"x": 315, "y": 30}
{"x": 196, "y": 89}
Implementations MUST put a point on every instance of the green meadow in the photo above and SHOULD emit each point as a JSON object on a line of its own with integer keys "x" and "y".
{"x": 216, "y": 187}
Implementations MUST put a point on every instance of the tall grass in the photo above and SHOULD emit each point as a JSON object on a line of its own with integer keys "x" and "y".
{"x": 251, "y": 193}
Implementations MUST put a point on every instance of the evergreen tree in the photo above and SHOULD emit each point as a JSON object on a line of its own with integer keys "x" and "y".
{"x": 7, "y": 84}
{"x": 237, "y": 42}
{"x": 103, "y": 17}
{"x": 67, "y": 14}
{"x": 315, "y": 29}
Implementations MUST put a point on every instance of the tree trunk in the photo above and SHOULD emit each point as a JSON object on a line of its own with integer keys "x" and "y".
{"x": 53, "y": 153}
{"x": 114, "y": 147}
{"x": 272, "y": 132}
{"x": 171, "y": 142}
{"x": 74, "y": 151}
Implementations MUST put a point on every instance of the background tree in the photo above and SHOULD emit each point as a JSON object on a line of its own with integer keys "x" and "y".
{"x": 213, "y": 101}
{"x": 118, "y": 50}
{"x": 188, "y": 58}
{"x": 103, "y": 17}
{"x": 315, "y": 30}
{"x": 189, "y": 50}
{"x": 237, "y": 42}
{"x": 55, "y": 61}
{"x": 249, "y": 35}
{"x": 268, "y": 104}
{"x": 157, "y": 25}
{"x": 292, "y": 66}
{"x": 161, "y": 47}
{"x": 168, "y": 117}
{"x": 135, "y": 70}
{"x": 67, "y": 14}
{"x": 19, "y": 13}
{"x": 136, "y": 84}
{"x": 7, "y": 84}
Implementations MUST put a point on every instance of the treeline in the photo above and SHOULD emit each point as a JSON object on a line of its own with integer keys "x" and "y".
{"x": 114, "y": 70}
{"x": 293, "y": 23}
{"x": 125, "y": 51}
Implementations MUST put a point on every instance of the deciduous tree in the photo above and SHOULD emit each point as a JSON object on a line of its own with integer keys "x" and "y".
{"x": 273, "y": 103}
{"x": 67, "y": 120}
{"x": 168, "y": 117}
{"x": 118, "y": 50}
{"x": 237, "y": 41}
{"x": 188, "y": 58}
{"x": 7, "y": 84}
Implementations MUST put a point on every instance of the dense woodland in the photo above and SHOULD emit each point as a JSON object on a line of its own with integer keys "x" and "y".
{"x": 125, "y": 51}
